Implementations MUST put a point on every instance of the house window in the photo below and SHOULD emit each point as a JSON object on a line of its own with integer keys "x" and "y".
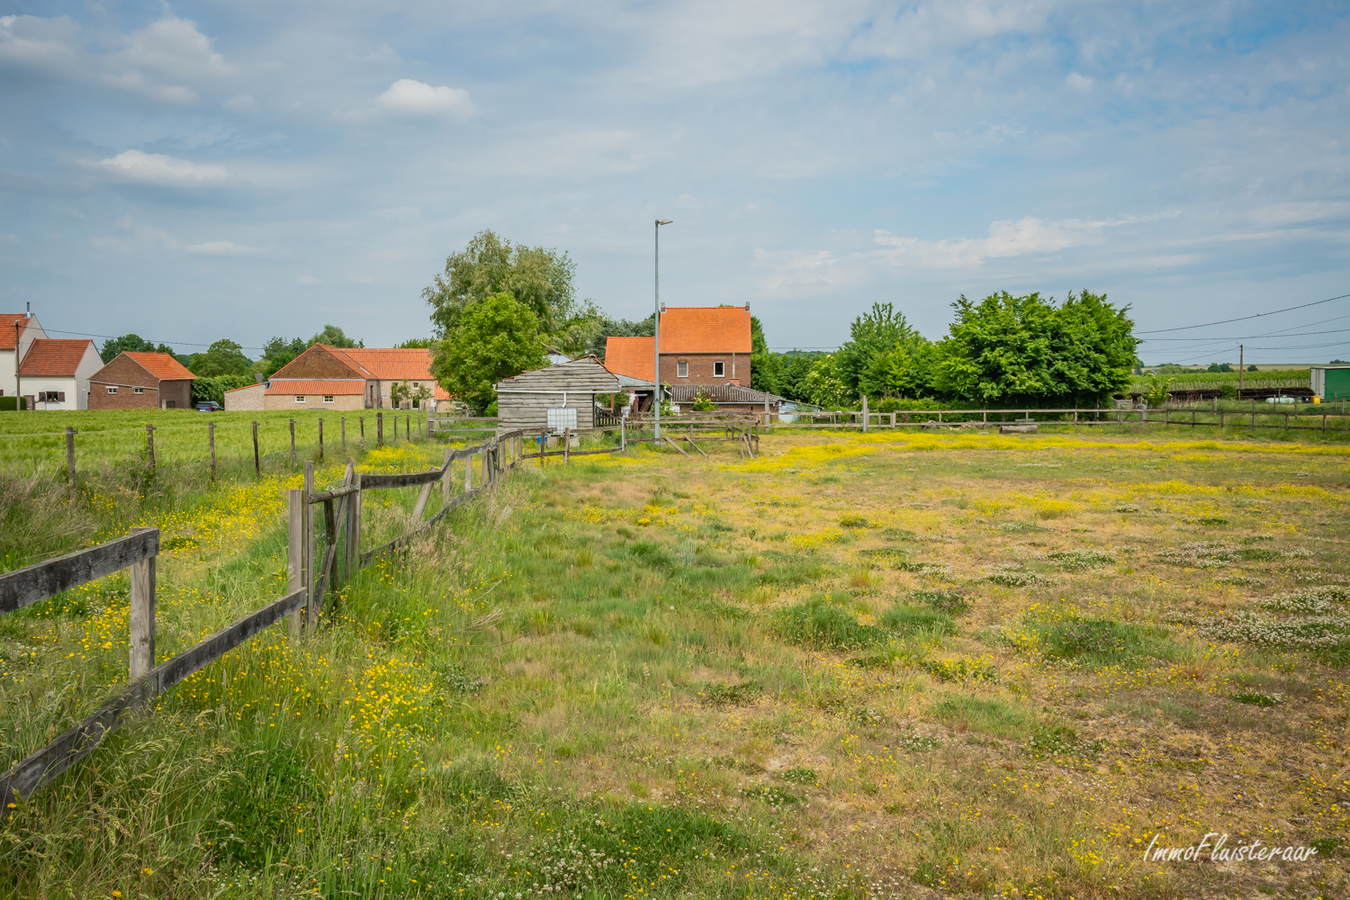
{"x": 299, "y": 398}
{"x": 51, "y": 397}
{"x": 417, "y": 384}
{"x": 111, "y": 389}
{"x": 327, "y": 398}
{"x": 138, "y": 390}
{"x": 682, "y": 369}
{"x": 719, "y": 370}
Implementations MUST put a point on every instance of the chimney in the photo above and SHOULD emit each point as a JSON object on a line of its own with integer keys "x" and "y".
{"x": 747, "y": 306}
{"x": 663, "y": 307}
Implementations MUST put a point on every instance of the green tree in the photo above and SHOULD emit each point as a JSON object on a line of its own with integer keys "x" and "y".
{"x": 277, "y": 352}
{"x": 877, "y": 334}
{"x": 214, "y": 388}
{"x": 417, "y": 344}
{"x": 495, "y": 338}
{"x": 619, "y": 328}
{"x": 1006, "y": 350}
{"x": 824, "y": 384}
{"x": 133, "y": 343}
{"x": 538, "y": 279}
{"x": 333, "y": 336}
{"x": 224, "y": 357}
{"x": 766, "y": 368}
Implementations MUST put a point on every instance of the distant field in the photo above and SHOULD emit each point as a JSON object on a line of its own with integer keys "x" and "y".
{"x": 36, "y": 440}
{"x": 1191, "y": 381}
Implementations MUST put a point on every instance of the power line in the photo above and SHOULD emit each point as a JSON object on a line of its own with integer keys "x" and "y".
{"x": 1257, "y": 337}
{"x": 113, "y": 337}
{"x": 1245, "y": 318}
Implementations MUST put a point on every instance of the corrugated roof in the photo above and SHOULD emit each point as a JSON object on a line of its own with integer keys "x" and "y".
{"x": 161, "y": 365}
{"x": 9, "y": 335}
{"x": 631, "y": 356}
{"x": 54, "y": 357}
{"x": 705, "y": 329}
{"x": 720, "y": 393}
{"x": 314, "y": 386}
{"x": 585, "y": 374}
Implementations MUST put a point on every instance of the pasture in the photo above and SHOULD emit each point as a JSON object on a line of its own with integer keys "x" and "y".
{"x": 884, "y": 665}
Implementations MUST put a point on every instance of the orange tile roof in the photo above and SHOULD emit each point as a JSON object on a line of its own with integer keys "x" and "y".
{"x": 631, "y": 356}
{"x": 8, "y": 335}
{"x": 161, "y": 365}
{"x": 54, "y": 357}
{"x": 413, "y": 364}
{"x": 313, "y": 387}
{"x": 705, "y": 329}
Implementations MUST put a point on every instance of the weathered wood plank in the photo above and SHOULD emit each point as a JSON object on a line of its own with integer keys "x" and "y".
{"x": 44, "y": 765}
{"x": 47, "y": 579}
{"x": 683, "y": 452}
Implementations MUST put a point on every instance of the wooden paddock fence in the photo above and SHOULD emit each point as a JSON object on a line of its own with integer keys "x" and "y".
{"x": 314, "y": 576}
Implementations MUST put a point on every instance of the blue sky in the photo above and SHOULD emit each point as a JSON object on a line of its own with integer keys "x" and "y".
{"x": 191, "y": 171}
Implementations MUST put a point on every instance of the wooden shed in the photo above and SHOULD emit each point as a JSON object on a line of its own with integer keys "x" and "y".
{"x": 569, "y": 389}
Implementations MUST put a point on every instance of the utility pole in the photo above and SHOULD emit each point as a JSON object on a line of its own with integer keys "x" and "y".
{"x": 1241, "y": 370}
{"x": 656, "y": 330}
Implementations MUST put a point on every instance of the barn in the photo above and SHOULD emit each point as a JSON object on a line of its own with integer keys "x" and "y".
{"x": 561, "y": 396}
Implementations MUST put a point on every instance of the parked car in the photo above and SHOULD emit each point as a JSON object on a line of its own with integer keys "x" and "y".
{"x": 209, "y": 406}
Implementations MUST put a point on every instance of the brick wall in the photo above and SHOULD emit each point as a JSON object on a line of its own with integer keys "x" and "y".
{"x": 314, "y": 401}
{"x": 246, "y": 398}
{"x": 736, "y": 366}
{"x": 126, "y": 375}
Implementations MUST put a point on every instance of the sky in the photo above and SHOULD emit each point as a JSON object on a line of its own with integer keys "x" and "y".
{"x": 196, "y": 171}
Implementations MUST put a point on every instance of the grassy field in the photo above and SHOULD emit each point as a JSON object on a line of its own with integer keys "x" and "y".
{"x": 893, "y": 665}
{"x": 36, "y": 441}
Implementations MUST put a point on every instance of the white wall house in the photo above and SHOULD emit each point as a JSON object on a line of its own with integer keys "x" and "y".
{"x": 17, "y": 333}
{"x": 55, "y": 373}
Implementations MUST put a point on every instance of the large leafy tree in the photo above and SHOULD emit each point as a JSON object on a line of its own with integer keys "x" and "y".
{"x": 224, "y": 357}
{"x": 133, "y": 343}
{"x": 885, "y": 356}
{"x": 538, "y": 279}
{"x": 334, "y": 336}
{"x": 1007, "y": 350}
{"x": 824, "y": 383}
{"x": 495, "y": 338}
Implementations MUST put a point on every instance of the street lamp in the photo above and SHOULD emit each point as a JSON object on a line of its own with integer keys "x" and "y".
{"x": 656, "y": 368}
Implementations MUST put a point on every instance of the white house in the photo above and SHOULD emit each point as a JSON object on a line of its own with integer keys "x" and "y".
{"x": 17, "y": 333}
{"x": 55, "y": 373}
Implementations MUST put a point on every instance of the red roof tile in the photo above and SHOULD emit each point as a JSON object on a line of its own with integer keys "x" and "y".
{"x": 313, "y": 387}
{"x": 705, "y": 329}
{"x": 54, "y": 357}
{"x": 631, "y": 356}
{"x": 413, "y": 364}
{"x": 8, "y": 334}
{"x": 161, "y": 365}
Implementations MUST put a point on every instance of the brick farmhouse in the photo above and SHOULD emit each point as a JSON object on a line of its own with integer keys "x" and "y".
{"x": 141, "y": 381}
{"x": 704, "y": 345}
{"x": 325, "y": 377}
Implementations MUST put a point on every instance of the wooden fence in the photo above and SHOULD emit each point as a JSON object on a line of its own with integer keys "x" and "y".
{"x": 310, "y": 584}
{"x": 1327, "y": 423}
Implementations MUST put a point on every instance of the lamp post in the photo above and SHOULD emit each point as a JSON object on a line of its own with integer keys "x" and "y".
{"x": 656, "y": 368}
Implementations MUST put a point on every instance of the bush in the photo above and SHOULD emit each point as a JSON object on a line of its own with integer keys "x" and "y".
{"x": 818, "y": 625}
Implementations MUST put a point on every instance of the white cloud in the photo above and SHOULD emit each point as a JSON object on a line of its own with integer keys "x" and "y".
{"x": 244, "y": 103}
{"x": 222, "y": 248}
{"x": 307, "y": 279}
{"x": 407, "y": 97}
{"x": 157, "y": 168}
{"x": 50, "y": 45}
{"x": 1006, "y": 238}
{"x": 175, "y": 48}
{"x": 138, "y": 237}
{"x": 1078, "y": 82}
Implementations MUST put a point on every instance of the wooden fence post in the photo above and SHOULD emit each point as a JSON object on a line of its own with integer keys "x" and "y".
{"x": 295, "y": 555}
{"x": 567, "y": 445}
{"x": 292, "y": 443}
{"x": 70, "y": 454}
{"x": 354, "y": 527}
{"x": 343, "y": 427}
{"x": 623, "y": 435}
{"x": 142, "y": 618}
{"x": 407, "y": 426}
{"x": 312, "y": 602}
{"x": 321, "y": 440}
{"x": 379, "y": 428}
{"x": 865, "y": 414}
{"x": 150, "y": 445}
{"x": 257, "y": 461}
{"x": 362, "y": 421}
{"x": 449, "y": 470}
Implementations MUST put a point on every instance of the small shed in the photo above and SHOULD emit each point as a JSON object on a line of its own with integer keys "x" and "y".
{"x": 1331, "y": 382}
{"x": 561, "y": 396}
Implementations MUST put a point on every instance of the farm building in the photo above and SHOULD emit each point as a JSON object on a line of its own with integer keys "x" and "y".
{"x": 327, "y": 377}
{"x": 732, "y": 398}
{"x": 1331, "y": 382}
{"x": 248, "y": 398}
{"x": 699, "y": 345}
{"x": 561, "y": 396}
{"x": 17, "y": 333}
{"x": 141, "y": 381}
{"x": 54, "y": 374}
